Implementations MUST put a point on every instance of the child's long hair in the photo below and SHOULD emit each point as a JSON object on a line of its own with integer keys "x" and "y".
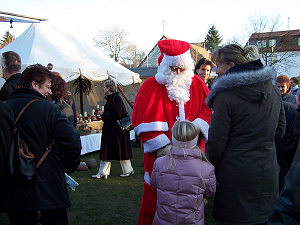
{"x": 185, "y": 131}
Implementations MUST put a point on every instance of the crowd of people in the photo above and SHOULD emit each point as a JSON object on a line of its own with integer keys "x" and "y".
{"x": 49, "y": 121}
{"x": 235, "y": 139}
{"x": 241, "y": 117}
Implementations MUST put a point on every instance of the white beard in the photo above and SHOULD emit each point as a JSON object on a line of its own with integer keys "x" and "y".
{"x": 178, "y": 85}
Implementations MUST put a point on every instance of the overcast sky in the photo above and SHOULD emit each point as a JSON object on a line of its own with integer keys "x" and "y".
{"x": 187, "y": 20}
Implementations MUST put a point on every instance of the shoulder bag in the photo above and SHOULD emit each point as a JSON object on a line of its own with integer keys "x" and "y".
{"x": 125, "y": 123}
{"x": 21, "y": 162}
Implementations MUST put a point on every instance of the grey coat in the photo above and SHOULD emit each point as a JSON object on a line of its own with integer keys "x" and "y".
{"x": 247, "y": 115}
{"x": 289, "y": 98}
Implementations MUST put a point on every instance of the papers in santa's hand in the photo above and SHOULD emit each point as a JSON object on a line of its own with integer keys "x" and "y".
{"x": 71, "y": 182}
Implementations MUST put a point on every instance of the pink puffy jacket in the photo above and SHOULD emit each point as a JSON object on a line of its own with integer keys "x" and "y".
{"x": 182, "y": 187}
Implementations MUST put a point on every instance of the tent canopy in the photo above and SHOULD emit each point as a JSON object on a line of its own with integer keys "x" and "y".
{"x": 70, "y": 55}
{"x": 12, "y": 17}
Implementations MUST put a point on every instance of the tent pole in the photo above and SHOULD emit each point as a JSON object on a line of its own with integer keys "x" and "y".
{"x": 80, "y": 93}
{"x": 125, "y": 96}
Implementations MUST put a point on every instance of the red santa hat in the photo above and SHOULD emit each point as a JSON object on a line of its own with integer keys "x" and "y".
{"x": 174, "y": 53}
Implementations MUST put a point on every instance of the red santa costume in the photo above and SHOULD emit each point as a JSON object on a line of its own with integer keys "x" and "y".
{"x": 161, "y": 101}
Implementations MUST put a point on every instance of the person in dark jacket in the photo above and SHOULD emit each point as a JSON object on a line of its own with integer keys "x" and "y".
{"x": 41, "y": 123}
{"x": 11, "y": 67}
{"x": 203, "y": 69}
{"x": 70, "y": 100}
{"x": 287, "y": 145}
{"x": 114, "y": 145}
{"x": 287, "y": 210}
{"x": 59, "y": 91}
{"x": 6, "y": 131}
{"x": 247, "y": 114}
{"x": 294, "y": 84}
{"x": 283, "y": 84}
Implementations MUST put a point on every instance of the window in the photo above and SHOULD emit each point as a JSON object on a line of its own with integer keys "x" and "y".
{"x": 272, "y": 59}
{"x": 261, "y": 43}
{"x": 298, "y": 41}
{"x": 258, "y": 44}
{"x": 272, "y": 43}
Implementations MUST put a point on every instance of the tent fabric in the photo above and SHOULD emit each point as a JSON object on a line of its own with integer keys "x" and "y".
{"x": 70, "y": 55}
{"x": 96, "y": 97}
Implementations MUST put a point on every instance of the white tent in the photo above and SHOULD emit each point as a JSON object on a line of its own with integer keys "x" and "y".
{"x": 70, "y": 56}
{"x": 43, "y": 43}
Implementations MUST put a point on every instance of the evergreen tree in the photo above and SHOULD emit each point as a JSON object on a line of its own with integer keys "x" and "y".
{"x": 213, "y": 38}
{"x": 6, "y": 39}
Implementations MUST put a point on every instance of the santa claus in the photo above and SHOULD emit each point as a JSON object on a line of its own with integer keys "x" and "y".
{"x": 174, "y": 93}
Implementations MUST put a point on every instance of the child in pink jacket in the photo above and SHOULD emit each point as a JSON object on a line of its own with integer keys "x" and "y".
{"x": 182, "y": 179}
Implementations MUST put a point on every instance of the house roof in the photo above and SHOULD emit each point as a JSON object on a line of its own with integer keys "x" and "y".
{"x": 196, "y": 48}
{"x": 201, "y": 50}
{"x": 145, "y": 72}
{"x": 275, "y": 34}
{"x": 162, "y": 38}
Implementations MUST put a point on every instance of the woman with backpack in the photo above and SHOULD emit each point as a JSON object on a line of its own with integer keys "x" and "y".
{"x": 46, "y": 195}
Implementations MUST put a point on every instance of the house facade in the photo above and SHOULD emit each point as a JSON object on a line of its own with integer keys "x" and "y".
{"x": 280, "y": 49}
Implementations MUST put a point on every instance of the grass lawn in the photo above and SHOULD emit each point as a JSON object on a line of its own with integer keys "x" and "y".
{"x": 115, "y": 201}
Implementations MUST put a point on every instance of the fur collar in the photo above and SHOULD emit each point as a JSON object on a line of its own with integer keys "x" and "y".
{"x": 238, "y": 79}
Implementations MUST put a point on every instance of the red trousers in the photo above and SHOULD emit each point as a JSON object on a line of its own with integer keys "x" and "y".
{"x": 148, "y": 205}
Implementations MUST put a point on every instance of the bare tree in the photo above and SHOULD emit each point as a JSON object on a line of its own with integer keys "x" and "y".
{"x": 261, "y": 23}
{"x": 114, "y": 41}
{"x": 235, "y": 40}
{"x": 133, "y": 56}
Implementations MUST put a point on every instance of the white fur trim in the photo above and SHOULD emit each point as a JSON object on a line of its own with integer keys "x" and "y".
{"x": 229, "y": 81}
{"x": 156, "y": 143}
{"x": 179, "y": 60}
{"x": 160, "y": 78}
{"x": 153, "y": 126}
{"x": 203, "y": 126}
{"x": 181, "y": 112}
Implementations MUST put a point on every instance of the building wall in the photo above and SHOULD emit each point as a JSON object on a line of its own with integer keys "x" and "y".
{"x": 287, "y": 47}
{"x": 152, "y": 59}
{"x": 290, "y": 66}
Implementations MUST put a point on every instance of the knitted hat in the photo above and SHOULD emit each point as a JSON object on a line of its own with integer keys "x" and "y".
{"x": 174, "y": 53}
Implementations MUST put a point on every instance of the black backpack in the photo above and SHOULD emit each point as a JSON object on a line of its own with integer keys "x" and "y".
{"x": 21, "y": 163}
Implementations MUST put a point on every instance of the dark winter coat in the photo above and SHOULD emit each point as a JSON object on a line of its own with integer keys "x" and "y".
{"x": 9, "y": 86}
{"x": 114, "y": 146}
{"x": 286, "y": 146}
{"x": 289, "y": 98}
{"x": 70, "y": 100}
{"x": 66, "y": 109}
{"x": 41, "y": 123}
{"x": 6, "y": 130}
{"x": 287, "y": 210}
{"x": 247, "y": 114}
